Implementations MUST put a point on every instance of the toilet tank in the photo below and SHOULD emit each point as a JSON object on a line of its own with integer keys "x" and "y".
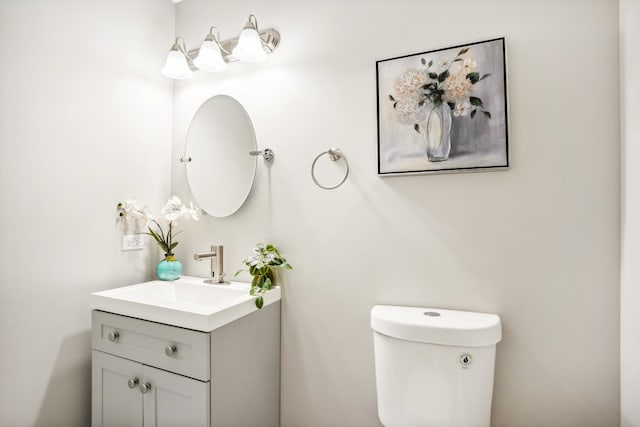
{"x": 434, "y": 367}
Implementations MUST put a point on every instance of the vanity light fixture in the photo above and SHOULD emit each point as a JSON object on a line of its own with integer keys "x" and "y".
{"x": 176, "y": 66}
{"x": 209, "y": 57}
{"x": 213, "y": 55}
{"x": 249, "y": 47}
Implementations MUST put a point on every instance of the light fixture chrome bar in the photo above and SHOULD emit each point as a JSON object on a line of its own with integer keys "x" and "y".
{"x": 252, "y": 45}
{"x": 270, "y": 41}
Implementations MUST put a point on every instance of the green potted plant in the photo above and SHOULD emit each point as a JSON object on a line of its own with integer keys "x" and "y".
{"x": 261, "y": 266}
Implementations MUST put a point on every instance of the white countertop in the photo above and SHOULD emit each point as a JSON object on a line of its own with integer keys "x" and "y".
{"x": 187, "y": 302}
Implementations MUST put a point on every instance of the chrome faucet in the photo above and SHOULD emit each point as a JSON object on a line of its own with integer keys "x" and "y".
{"x": 216, "y": 255}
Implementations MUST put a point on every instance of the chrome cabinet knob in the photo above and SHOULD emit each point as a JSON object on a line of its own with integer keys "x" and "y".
{"x": 145, "y": 388}
{"x": 113, "y": 336}
{"x": 133, "y": 383}
{"x": 171, "y": 350}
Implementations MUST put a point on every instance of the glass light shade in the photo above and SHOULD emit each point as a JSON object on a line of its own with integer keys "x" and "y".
{"x": 249, "y": 47}
{"x": 176, "y": 66}
{"x": 210, "y": 57}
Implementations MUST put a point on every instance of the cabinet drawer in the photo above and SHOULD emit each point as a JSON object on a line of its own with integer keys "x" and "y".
{"x": 148, "y": 342}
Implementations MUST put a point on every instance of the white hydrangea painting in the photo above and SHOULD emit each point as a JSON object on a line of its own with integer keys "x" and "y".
{"x": 444, "y": 110}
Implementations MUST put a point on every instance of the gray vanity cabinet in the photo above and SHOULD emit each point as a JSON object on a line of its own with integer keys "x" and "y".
{"x": 150, "y": 374}
{"x": 168, "y": 399}
{"x": 113, "y": 403}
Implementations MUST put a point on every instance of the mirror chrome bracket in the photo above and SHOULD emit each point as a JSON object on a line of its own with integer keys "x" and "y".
{"x": 266, "y": 154}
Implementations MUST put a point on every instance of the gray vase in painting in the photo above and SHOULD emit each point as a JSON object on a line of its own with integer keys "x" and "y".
{"x": 436, "y": 130}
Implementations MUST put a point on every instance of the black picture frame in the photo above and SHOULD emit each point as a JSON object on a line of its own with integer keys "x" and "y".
{"x": 416, "y": 93}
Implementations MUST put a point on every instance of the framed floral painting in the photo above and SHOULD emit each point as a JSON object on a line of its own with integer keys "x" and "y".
{"x": 443, "y": 110}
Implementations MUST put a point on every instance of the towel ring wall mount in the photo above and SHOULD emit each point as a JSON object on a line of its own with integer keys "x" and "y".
{"x": 334, "y": 154}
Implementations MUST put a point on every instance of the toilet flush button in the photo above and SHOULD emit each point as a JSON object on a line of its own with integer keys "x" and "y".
{"x": 465, "y": 360}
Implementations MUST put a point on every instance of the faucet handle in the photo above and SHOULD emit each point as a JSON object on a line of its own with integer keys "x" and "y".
{"x": 217, "y": 263}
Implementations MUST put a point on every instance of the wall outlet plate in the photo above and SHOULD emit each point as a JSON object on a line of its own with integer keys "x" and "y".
{"x": 132, "y": 242}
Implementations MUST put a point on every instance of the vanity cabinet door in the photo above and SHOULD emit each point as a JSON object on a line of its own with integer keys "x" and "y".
{"x": 174, "y": 400}
{"x": 114, "y": 403}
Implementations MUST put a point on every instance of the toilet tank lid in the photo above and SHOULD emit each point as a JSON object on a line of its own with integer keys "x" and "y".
{"x": 437, "y": 326}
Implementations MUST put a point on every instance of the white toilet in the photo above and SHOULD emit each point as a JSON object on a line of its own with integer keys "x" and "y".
{"x": 434, "y": 368}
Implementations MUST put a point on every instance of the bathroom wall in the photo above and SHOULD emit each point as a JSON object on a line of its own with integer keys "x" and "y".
{"x": 85, "y": 121}
{"x": 630, "y": 227}
{"x": 538, "y": 244}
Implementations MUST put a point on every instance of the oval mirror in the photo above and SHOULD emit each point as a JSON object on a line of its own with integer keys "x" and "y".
{"x": 221, "y": 171}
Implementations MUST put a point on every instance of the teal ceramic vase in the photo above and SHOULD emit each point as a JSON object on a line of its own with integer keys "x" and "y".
{"x": 169, "y": 268}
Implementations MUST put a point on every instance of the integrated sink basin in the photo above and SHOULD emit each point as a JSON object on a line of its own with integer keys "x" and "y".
{"x": 187, "y": 302}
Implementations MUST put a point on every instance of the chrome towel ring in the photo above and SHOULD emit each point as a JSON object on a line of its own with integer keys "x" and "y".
{"x": 335, "y": 154}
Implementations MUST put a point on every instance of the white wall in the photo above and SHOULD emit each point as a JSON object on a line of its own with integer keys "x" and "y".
{"x": 85, "y": 121}
{"x": 538, "y": 244}
{"x": 630, "y": 227}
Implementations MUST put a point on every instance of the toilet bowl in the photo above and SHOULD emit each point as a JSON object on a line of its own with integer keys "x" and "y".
{"x": 434, "y": 367}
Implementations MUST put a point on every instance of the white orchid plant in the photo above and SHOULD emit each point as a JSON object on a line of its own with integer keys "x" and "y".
{"x": 265, "y": 258}
{"x": 172, "y": 211}
{"x": 451, "y": 80}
